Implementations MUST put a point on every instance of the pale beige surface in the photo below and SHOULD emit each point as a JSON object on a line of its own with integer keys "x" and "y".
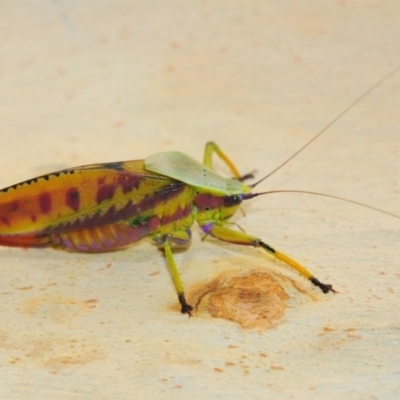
{"x": 100, "y": 81}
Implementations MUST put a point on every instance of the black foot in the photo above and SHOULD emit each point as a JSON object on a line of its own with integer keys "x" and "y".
{"x": 245, "y": 177}
{"x": 186, "y": 308}
{"x": 325, "y": 288}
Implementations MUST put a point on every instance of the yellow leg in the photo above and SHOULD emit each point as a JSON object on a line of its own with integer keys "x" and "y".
{"x": 185, "y": 307}
{"x": 231, "y": 236}
{"x": 211, "y": 148}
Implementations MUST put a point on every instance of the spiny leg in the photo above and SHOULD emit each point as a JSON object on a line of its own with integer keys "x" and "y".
{"x": 231, "y": 236}
{"x": 185, "y": 307}
{"x": 294, "y": 264}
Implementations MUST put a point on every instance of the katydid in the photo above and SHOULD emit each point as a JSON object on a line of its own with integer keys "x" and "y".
{"x": 104, "y": 207}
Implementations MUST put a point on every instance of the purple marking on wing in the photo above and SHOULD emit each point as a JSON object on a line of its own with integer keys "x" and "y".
{"x": 128, "y": 211}
{"x": 14, "y": 205}
{"x": 105, "y": 191}
{"x": 73, "y": 198}
{"x": 6, "y": 210}
{"x": 5, "y": 221}
{"x": 128, "y": 182}
{"x": 45, "y": 202}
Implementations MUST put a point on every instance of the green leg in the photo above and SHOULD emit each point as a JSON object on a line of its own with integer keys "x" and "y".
{"x": 185, "y": 307}
{"x": 231, "y": 236}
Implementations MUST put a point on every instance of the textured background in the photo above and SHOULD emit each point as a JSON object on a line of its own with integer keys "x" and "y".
{"x": 84, "y": 81}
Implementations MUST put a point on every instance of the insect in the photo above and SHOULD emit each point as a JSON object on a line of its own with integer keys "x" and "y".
{"x": 105, "y": 207}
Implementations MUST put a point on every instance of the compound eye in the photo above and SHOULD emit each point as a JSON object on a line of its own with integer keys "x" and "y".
{"x": 233, "y": 200}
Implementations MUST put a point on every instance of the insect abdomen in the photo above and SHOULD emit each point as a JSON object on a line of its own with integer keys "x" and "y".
{"x": 100, "y": 239}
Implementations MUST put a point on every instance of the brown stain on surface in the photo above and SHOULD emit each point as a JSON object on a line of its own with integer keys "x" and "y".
{"x": 57, "y": 307}
{"x": 49, "y": 342}
{"x": 254, "y": 301}
{"x": 53, "y": 352}
{"x": 59, "y": 352}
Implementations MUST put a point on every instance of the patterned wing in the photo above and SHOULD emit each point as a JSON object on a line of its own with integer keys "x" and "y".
{"x": 83, "y": 198}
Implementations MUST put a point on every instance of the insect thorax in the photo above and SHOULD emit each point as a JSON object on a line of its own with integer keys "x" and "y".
{"x": 213, "y": 207}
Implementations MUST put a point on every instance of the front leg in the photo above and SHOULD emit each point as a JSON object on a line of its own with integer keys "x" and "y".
{"x": 231, "y": 236}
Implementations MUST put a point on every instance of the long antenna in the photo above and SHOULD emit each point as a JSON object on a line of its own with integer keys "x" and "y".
{"x": 355, "y": 102}
{"x": 331, "y": 196}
